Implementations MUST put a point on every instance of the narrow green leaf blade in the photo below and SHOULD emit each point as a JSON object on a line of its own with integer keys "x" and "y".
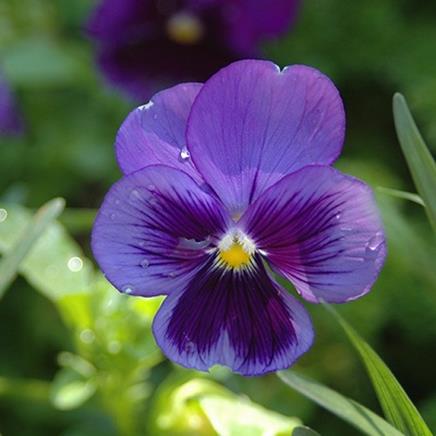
{"x": 396, "y": 405}
{"x": 402, "y": 194}
{"x": 55, "y": 265}
{"x": 421, "y": 163}
{"x": 41, "y": 220}
{"x": 354, "y": 413}
{"x": 304, "y": 431}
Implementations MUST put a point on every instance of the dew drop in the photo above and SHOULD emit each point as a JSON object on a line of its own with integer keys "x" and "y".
{"x": 134, "y": 195}
{"x": 193, "y": 244}
{"x": 75, "y": 264}
{"x": 374, "y": 244}
{"x": 127, "y": 289}
{"x": 114, "y": 347}
{"x": 113, "y": 216}
{"x": 87, "y": 336}
{"x": 338, "y": 216}
{"x": 3, "y": 215}
{"x": 172, "y": 274}
{"x": 184, "y": 155}
{"x": 145, "y": 263}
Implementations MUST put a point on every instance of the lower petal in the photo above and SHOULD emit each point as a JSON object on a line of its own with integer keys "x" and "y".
{"x": 242, "y": 320}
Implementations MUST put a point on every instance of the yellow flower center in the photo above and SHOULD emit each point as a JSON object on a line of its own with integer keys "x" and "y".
{"x": 235, "y": 256}
{"x": 185, "y": 28}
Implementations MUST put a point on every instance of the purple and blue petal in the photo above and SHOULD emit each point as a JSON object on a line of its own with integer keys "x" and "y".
{"x": 250, "y": 22}
{"x": 11, "y": 122}
{"x": 153, "y": 229}
{"x": 135, "y": 49}
{"x": 243, "y": 320}
{"x": 155, "y": 132}
{"x": 251, "y": 124}
{"x": 322, "y": 231}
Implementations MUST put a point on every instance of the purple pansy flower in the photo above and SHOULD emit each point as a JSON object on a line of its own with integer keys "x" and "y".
{"x": 11, "y": 122}
{"x": 226, "y": 183}
{"x": 143, "y": 45}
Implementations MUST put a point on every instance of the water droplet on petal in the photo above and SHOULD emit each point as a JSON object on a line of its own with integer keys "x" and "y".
{"x": 193, "y": 244}
{"x": 338, "y": 216}
{"x": 374, "y": 245}
{"x": 145, "y": 263}
{"x": 127, "y": 289}
{"x": 134, "y": 195}
{"x": 172, "y": 274}
{"x": 184, "y": 155}
{"x": 113, "y": 216}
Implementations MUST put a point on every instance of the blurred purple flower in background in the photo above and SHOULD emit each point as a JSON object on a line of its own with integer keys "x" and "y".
{"x": 11, "y": 122}
{"x": 222, "y": 179}
{"x": 146, "y": 45}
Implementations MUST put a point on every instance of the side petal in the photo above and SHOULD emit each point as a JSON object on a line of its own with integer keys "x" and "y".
{"x": 322, "y": 231}
{"x": 153, "y": 230}
{"x": 242, "y": 320}
{"x": 251, "y": 124}
{"x": 155, "y": 132}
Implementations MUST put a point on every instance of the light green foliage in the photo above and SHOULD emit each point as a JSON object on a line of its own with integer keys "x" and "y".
{"x": 202, "y": 406}
{"x": 18, "y": 251}
{"x": 349, "y": 410}
{"x": 397, "y": 406}
{"x": 55, "y": 265}
{"x": 421, "y": 163}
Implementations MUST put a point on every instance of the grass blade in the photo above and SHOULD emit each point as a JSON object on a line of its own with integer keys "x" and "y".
{"x": 10, "y": 263}
{"x": 354, "y": 413}
{"x": 419, "y": 159}
{"x": 402, "y": 194}
{"x": 397, "y": 406}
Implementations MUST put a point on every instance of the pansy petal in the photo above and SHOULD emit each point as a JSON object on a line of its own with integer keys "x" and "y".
{"x": 153, "y": 230}
{"x": 251, "y": 124}
{"x": 321, "y": 230}
{"x": 155, "y": 132}
{"x": 242, "y": 320}
{"x": 250, "y": 22}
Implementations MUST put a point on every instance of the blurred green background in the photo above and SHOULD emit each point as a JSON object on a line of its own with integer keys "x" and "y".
{"x": 77, "y": 358}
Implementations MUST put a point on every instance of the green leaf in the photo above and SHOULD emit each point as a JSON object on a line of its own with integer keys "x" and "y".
{"x": 41, "y": 61}
{"x": 304, "y": 431}
{"x": 201, "y": 406}
{"x": 12, "y": 260}
{"x": 396, "y": 405}
{"x": 232, "y": 415}
{"x": 402, "y": 194}
{"x": 349, "y": 410}
{"x": 421, "y": 163}
{"x": 55, "y": 265}
{"x": 70, "y": 390}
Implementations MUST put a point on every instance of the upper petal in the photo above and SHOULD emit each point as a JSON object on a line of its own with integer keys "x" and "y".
{"x": 251, "y": 124}
{"x": 242, "y": 320}
{"x": 153, "y": 230}
{"x": 322, "y": 231}
{"x": 155, "y": 132}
